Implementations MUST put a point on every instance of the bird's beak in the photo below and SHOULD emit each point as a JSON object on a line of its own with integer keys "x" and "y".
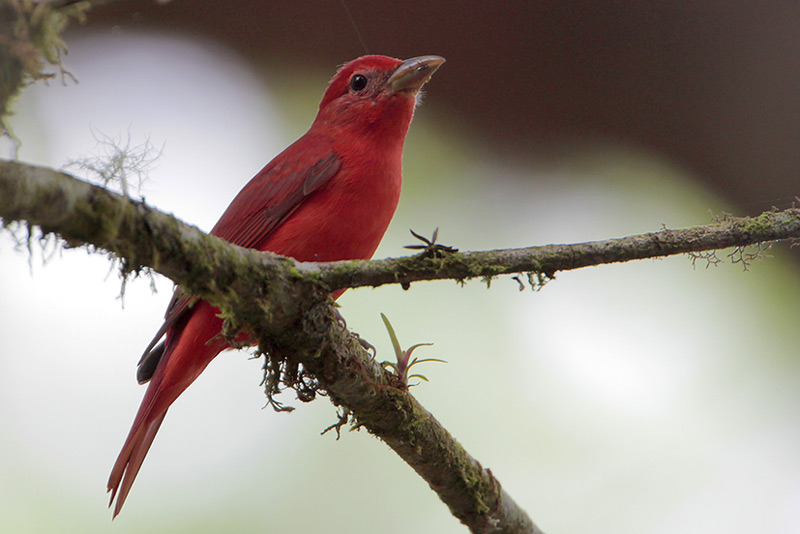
{"x": 413, "y": 73}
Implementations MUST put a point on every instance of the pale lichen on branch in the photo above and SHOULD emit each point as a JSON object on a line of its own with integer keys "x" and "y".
{"x": 119, "y": 162}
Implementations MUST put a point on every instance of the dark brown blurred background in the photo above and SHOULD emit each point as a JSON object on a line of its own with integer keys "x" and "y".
{"x": 713, "y": 86}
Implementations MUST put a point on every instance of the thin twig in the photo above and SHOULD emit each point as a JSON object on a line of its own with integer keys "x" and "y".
{"x": 547, "y": 260}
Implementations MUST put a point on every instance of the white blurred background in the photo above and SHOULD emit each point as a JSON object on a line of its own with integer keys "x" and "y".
{"x": 644, "y": 397}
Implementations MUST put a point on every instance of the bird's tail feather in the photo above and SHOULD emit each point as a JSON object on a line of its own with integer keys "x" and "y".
{"x": 130, "y": 460}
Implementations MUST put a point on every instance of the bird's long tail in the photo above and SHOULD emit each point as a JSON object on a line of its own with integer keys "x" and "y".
{"x": 130, "y": 460}
{"x": 187, "y": 354}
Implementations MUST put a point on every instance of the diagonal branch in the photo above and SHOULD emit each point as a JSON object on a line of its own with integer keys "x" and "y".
{"x": 288, "y": 312}
{"x": 285, "y": 304}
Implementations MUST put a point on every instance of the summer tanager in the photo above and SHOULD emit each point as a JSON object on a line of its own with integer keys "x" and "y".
{"x": 329, "y": 196}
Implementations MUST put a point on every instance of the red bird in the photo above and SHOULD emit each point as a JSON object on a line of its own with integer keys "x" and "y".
{"x": 329, "y": 196}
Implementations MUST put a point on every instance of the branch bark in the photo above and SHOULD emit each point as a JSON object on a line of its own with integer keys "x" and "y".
{"x": 547, "y": 260}
{"x": 285, "y": 306}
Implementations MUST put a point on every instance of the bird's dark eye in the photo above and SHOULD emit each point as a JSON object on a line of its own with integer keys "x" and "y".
{"x": 358, "y": 82}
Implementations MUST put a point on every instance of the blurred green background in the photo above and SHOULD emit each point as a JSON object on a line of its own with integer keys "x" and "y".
{"x": 652, "y": 396}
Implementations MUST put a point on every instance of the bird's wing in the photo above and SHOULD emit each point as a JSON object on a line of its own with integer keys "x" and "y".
{"x": 260, "y": 207}
{"x": 275, "y": 192}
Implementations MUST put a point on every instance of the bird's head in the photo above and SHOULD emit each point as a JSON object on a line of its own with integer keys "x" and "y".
{"x": 375, "y": 94}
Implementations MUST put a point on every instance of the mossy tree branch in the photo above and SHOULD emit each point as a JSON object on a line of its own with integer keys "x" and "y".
{"x": 289, "y": 313}
{"x": 285, "y": 304}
